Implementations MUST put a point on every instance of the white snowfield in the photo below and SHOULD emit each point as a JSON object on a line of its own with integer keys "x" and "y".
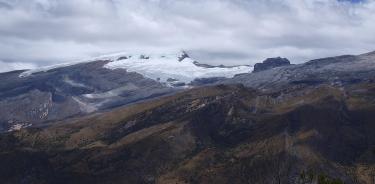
{"x": 162, "y": 67}
{"x": 165, "y": 68}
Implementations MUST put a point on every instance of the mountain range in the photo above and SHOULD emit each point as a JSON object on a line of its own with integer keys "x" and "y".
{"x": 166, "y": 118}
{"x": 46, "y": 94}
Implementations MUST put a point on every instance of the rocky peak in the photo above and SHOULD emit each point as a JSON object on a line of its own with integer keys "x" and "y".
{"x": 271, "y": 63}
{"x": 144, "y": 57}
{"x": 183, "y": 56}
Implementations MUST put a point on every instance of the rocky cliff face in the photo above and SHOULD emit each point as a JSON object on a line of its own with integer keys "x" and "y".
{"x": 271, "y": 63}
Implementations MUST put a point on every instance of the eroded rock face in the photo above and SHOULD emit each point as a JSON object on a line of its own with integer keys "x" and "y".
{"x": 271, "y": 63}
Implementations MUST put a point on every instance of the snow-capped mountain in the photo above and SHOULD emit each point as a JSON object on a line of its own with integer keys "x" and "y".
{"x": 173, "y": 69}
{"x": 315, "y": 118}
{"x": 56, "y": 92}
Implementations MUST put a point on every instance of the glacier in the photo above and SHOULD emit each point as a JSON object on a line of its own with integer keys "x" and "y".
{"x": 169, "y": 68}
{"x": 172, "y": 67}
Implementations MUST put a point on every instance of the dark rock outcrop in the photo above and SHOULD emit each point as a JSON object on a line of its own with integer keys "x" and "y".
{"x": 144, "y": 57}
{"x": 271, "y": 63}
{"x": 183, "y": 56}
{"x": 122, "y": 58}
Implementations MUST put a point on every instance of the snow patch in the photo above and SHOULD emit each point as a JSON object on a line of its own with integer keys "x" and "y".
{"x": 74, "y": 83}
{"x": 51, "y": 67}
{"x": 44, "y": 69}
{"x": 18, "y": 126}
{"x": 112, "y": 93}
{"x": 85, "y": 107}
{"x": 7, "y": 67}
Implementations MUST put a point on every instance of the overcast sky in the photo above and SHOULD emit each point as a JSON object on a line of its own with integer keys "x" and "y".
{"x": 43, "y": 32}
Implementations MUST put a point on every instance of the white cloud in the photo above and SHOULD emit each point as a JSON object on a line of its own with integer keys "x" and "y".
{"x": 217, "y": 31}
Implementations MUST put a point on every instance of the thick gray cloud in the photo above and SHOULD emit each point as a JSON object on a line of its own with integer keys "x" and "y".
{"x": 42, "y": 32}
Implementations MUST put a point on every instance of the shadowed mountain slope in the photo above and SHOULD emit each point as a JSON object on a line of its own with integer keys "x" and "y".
{"x": 218, "y": 134}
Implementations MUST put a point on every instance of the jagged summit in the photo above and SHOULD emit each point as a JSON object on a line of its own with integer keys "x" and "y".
{"x": 183, "y": 56}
